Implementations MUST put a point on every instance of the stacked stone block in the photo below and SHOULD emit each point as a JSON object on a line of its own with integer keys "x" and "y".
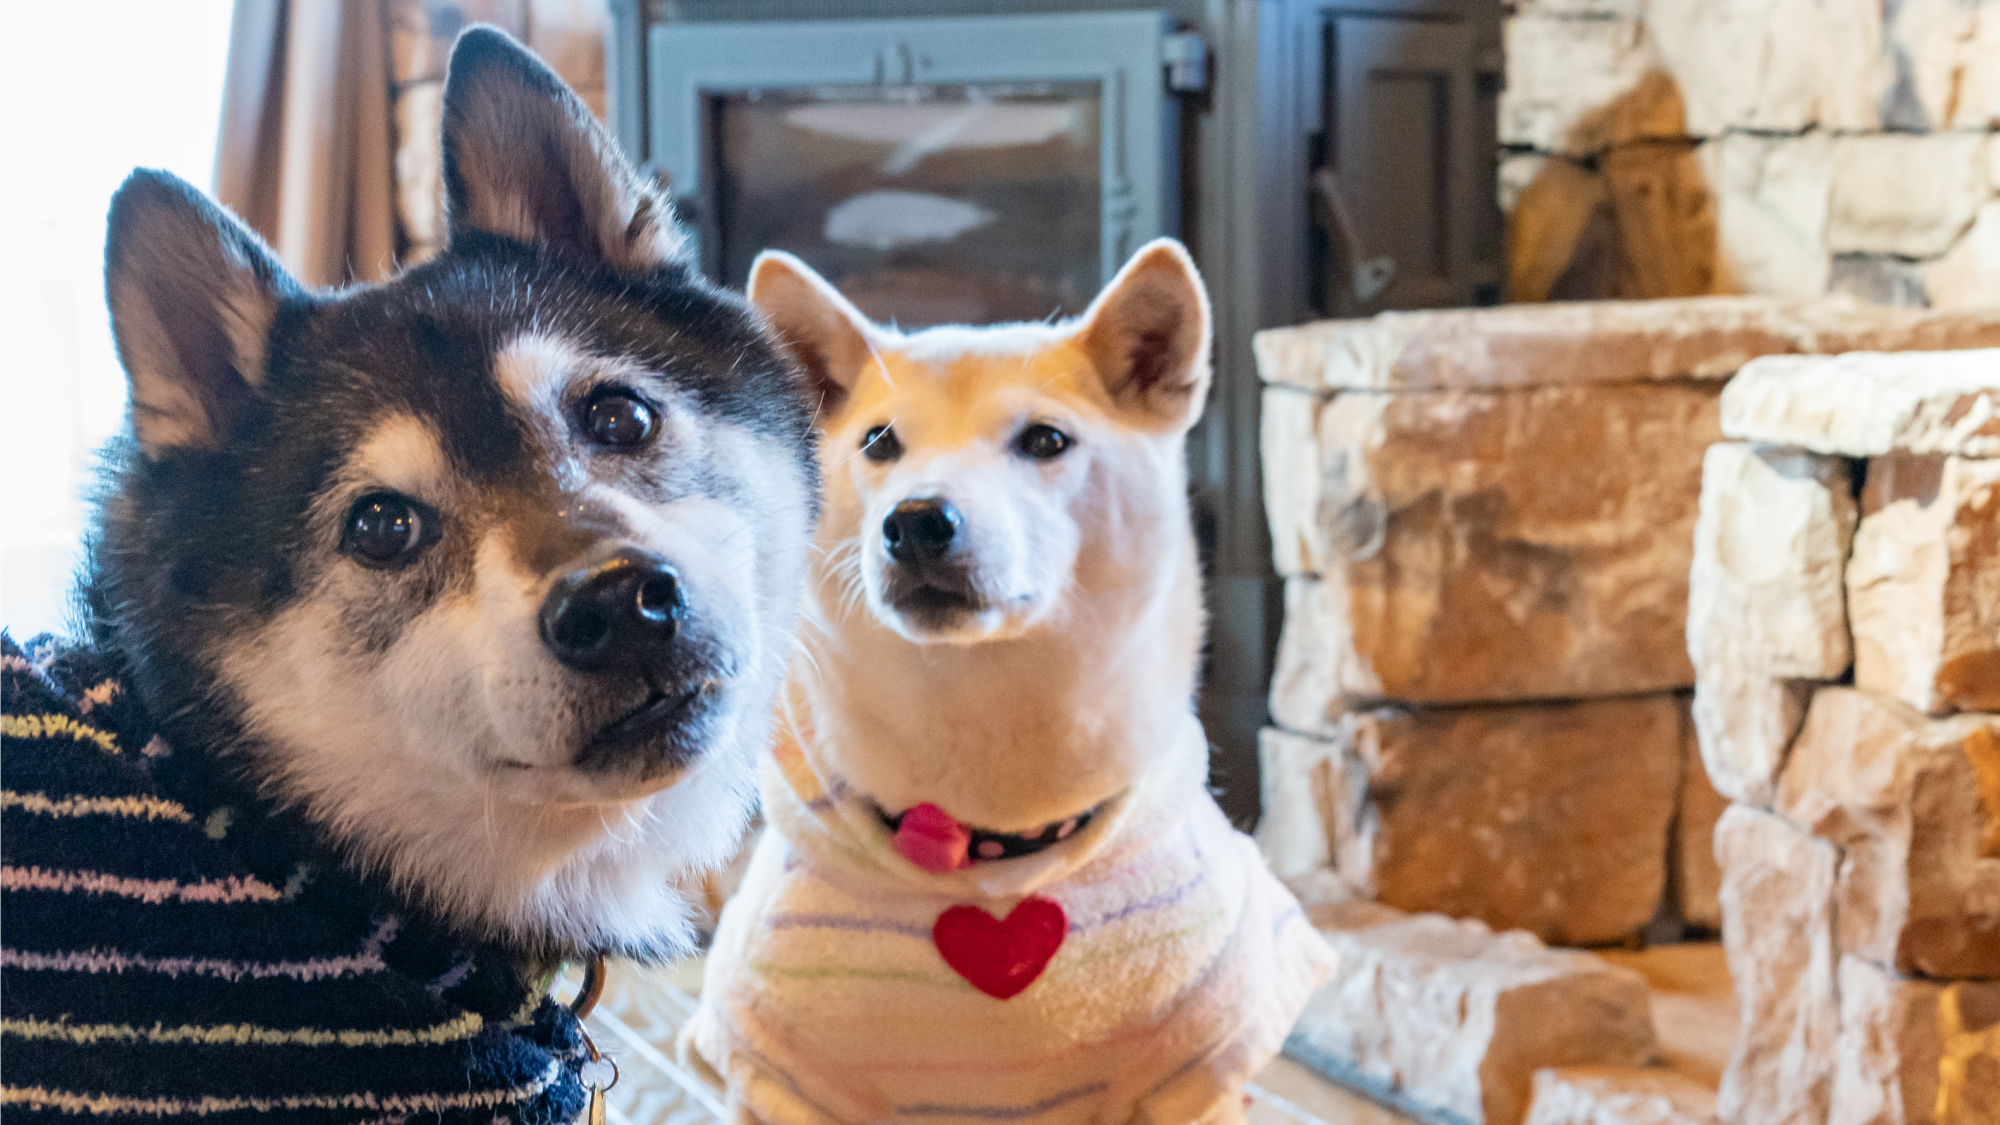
{"x": 1451, "y": 1022}
{"x": 1660, "y": 148}
{"x": 1486, "y": 521}
{"x": 1845, "y": 633}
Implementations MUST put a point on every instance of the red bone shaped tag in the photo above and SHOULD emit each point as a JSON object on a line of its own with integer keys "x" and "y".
{"x": 933, "y": 839}
{"x": 1001, "y": 958}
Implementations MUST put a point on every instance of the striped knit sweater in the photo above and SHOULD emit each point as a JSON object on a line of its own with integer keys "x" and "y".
{"x": 173, "y": 947}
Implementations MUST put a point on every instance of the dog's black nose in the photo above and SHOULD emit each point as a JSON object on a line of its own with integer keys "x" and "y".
{"x": 620, "y": 609}
{"x": 921, "y": 529}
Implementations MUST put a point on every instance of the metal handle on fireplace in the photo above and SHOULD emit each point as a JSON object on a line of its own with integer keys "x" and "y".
{"x": 1370, "y": 276}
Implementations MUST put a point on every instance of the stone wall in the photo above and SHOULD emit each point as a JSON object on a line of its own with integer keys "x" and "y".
{"x": 1845, "y": 631}
{"x": 1513, "y": 540}
{"x": 1486, "y": 521}
{"x": 1658, "y": 148}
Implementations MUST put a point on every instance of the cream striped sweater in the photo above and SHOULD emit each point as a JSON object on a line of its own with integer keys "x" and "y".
{"x": 826, "y": 1000}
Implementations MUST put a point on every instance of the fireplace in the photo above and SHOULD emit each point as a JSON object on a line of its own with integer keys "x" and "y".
{"x": 969, "y": 170}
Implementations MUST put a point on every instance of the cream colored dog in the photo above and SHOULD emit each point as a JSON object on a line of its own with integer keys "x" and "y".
{"x": 996, "y": 887}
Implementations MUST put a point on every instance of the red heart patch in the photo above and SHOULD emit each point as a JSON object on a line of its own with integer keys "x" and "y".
{"x": 1001, "y": 958}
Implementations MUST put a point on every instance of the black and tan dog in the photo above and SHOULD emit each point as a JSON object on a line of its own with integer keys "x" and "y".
{"x": 434, "y": 626}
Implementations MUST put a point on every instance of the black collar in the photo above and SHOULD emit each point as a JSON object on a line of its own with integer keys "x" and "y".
{"x": 989, "y": 846}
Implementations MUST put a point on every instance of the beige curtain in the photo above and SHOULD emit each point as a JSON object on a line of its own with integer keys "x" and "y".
{"x": 307, "y": 150}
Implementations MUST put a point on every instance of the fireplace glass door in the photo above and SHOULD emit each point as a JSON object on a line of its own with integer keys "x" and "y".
{"x": 925, "y": 205}
{"x": 937, "y": 171}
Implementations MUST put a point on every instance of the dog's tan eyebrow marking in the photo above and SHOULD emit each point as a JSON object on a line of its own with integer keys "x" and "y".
{"x": 532, "y": 370}
{"x": 535, "y": 369}
{"x": 403, "y": 454}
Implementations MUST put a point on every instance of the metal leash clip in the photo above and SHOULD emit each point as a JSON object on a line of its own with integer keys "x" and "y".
{"x": 586, "y": 1000}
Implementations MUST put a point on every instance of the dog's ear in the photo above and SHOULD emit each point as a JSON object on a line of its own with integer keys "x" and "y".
{"x": 193, "y": 293}
{"x": 524, "y": 158}
{"x": 825, "y": 334}
{"x": 1148, "y": 335}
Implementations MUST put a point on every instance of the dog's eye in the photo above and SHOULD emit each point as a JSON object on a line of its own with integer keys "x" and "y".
{"x": 1042, "y": 443}
{"x": 880, "y": 444}
{"x": 618, "y": 418}
{"x": 384, "y": 529}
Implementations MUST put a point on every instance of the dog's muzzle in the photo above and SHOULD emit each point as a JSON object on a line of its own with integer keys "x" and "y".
{"x": 930, "y": 580}
{"x": 617, "y": 618}
{"x": 619, "y": 610}
{"x": 921, "y": 531}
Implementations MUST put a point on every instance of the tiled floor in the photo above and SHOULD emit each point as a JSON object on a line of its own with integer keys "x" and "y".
{"x": 643, "y": 1009}
{"x": 1289, "y": 1094}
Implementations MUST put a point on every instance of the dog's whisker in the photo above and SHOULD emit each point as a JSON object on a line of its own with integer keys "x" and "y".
{"x": 625, "y": 822}
{"x": 805, "y": 653}
{"x": 886, "y": 427}
{"x": 881, "y": 366}
{"x": 490, "y": 797}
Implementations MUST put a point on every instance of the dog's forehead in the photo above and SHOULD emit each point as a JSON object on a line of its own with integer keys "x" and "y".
{"x": 433, "y": 336}
{"x": 440, "y": 352}
{"x": 977, "y": 375}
